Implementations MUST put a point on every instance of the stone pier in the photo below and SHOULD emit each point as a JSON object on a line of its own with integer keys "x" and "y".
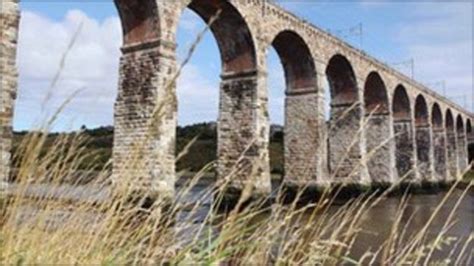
{"x": 383, "y": 125}
{"x": 9, "y": 24}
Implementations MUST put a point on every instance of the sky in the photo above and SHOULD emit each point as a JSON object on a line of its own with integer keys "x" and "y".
{"x": 436, "y": 35}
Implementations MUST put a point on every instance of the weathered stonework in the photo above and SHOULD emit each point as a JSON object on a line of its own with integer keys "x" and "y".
{"x": 244, "y": 32}
{"x": 452, "y": 158}
{"x": 423, "y": 150}
{"x": 380, "y": 150}
{"x": 461, "y": 145}
{"x": 404, "y": 149}
{"x": 238, "y": 138}
{"x": 439, "y": 145}
{"x": 146, "y": 106}
{"x": 9, "y": 23}
{"x": 302, "y": 139}
{"x": 345, "y": 155}
{"x": 380, "y": 147}
{"x": 145, "y": 119}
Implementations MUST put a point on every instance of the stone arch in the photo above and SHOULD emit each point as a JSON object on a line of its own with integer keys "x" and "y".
{"x": 421, "y": 111}
{"x": 469, "y": 131}
{"x": 423, "y": 138}
{"x": 436, "y": 117}
{"x": 449, "y": 121}
{"x": 461, "y": 145}
{"x": 140, "y": 21}
{"x": 148, "y": 67}
{"x": 345, "y": 151}
{"x": 301, "y": 108}
{"x": 403, "y": 130}
{"x": 470, "y": 140}
{"x": 342, "y": 81}
{"x": 232, "y": 34}
{"x": 297, "y": 61}
{"x": 377, "y": 126}
{"x": 375, "y": 95}
{"x": 439, "y": 142}
{"x": 460, "y": 125}
{"x": 451, "y": 154}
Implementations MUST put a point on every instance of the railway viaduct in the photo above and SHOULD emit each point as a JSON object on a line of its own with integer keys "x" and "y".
{"x": 383, "y": 125}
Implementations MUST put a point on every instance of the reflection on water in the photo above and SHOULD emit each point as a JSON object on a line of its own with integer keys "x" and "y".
{"x": 419, "y": 209}
{"x": 378, "y": 222}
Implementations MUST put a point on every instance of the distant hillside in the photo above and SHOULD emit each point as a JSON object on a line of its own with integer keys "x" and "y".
{"x": 202, "y": 152}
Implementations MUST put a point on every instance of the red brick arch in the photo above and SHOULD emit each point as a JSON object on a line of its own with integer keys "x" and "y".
{"x": 342, "y": 80}
{"x": 375, "y": 95}
{"x": 297, "y": 61}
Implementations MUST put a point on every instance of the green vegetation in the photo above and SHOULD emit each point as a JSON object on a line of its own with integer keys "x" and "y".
{"x": 135, "y": 229}
{"x": 99, "y": 143}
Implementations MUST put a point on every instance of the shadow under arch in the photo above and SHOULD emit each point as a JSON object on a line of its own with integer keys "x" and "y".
{"x": 470, "y": 140}
{"x": 439, "y": 142}
{"x": 423, "y": 138}
{"x": 461, "y": 145}
{"x": 451, "y": 142}
{"x": 404, "y": 135}
{"x": 344, "y": 132}
{"x": 140, "y": 21}
{"x": 301, "y": 130}
{"x": 377, "y": 130}
{"x": 141, "y": 24}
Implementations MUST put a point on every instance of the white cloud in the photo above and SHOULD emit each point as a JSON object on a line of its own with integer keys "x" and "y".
{"x": 276, "y": 88}
{"x": 91, "y": 66}
{"x": 439, "y": 37}
{"x": 198, "y": 97}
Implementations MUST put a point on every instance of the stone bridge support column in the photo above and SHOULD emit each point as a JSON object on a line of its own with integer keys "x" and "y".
{"x": 451, "y": 155}
{"x": 303, "y": 128}
{"x": 423, "y": 147}
{"x": 345, "y": 143}
{"x": 405, "y": 148}
{"x": 470, "y": 141}
{"x": 378, "y": 131}
{"x": 243, "y": 160}
{"x": 145, "y": 119}
{"x": 380, "y": 149}
{"x": 462, "y": 152}
{"x": 9, "y": 23}
{"x": 439, "y": 151}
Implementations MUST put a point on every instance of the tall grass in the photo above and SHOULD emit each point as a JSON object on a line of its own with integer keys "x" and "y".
{"x": 45, "y": 222}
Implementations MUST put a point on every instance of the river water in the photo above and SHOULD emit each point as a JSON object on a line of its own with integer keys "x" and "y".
{"x": 377, "y": 222}
{"x": 418, "y": 211}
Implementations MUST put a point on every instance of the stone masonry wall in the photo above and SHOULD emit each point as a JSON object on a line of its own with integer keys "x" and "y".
{"x": 451, "y": 156}
{"x": 462, "y": 152}
{"x": 345, "y": 156}
{"x": 405, "y": 149}
{"x": 238, "y": 140}
{"x": 439, "y": 145}
{"x": 379, "y": 148}
{"x": 9, "y": 23}
{"x": 301, "y": 139}
{"x": 145, "y": 120}
{"x": 423, "y": 152}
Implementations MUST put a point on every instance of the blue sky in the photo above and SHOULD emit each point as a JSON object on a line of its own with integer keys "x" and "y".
{"x": 437, "y": 35}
